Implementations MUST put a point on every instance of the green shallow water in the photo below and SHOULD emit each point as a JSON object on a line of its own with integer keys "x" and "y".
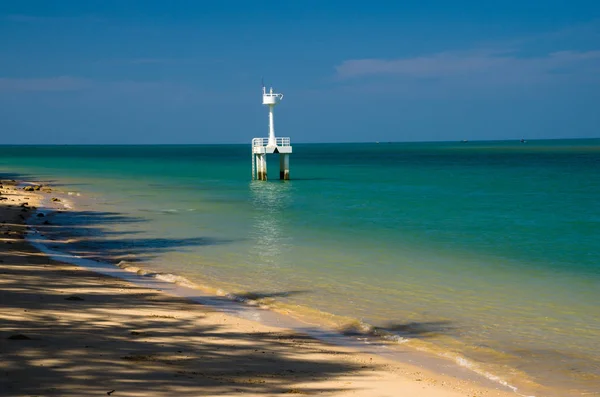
{"x": 488, "y": 249}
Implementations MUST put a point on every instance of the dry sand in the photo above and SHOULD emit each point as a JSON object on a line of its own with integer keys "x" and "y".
{"x": 67, "y": 331}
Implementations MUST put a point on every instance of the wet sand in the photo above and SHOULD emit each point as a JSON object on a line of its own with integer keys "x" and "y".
{"x": 67, "y": 331}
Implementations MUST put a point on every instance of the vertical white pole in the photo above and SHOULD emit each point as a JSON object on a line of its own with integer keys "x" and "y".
{"x": 272, "y": 140}
{"x": 264, "y": 166}
{"x": 261, "y": 160}
{"x": 259, "y": 167}
{"x": 284, "y": 166}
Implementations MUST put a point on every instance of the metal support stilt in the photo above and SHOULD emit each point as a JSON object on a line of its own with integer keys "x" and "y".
{"x": 284, "y": 166}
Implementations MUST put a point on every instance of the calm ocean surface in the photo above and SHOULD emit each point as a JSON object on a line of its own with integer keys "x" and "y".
{"x": 482, "y": 251}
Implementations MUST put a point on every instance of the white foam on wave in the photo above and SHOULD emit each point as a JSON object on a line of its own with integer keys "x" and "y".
{"x": 167, "y": 277}
{"x": 368, "y": 329}
{"x": 463, "y": 362}
{"x": 396, "y": 338}
{"x": 245, "y": 300}
{"x": 65, "y": 203}
{"x": 173, "y": 278}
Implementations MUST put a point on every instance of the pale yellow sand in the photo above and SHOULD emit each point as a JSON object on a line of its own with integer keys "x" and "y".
{"x": 66, "y": 331}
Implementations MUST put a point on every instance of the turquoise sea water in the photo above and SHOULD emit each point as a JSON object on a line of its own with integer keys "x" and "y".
{"x": 482, "y": 251}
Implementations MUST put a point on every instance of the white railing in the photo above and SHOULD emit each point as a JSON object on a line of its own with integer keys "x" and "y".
{"x": 273, "y": 95}
{"x": 265, "y": 141}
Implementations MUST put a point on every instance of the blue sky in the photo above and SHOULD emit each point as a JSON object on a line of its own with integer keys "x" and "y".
{"x": 190, "y": 71}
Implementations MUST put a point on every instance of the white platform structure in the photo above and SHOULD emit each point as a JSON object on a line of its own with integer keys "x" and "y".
{"x": 263, "y": 146}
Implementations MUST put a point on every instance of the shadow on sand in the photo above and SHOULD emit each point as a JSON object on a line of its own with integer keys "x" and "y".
{"x": 255, "y": 295}
{"x": 71, "y": 332}
{"x": 423, "y": 329}
{"x": 89, "y": 235}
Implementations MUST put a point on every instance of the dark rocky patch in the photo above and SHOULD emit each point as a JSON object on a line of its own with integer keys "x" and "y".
{"x": 74, "y": 298}
{"x": 19, "y": 337}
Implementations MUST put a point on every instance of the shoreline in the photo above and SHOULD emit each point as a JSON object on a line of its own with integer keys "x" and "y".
{"x": 374, "y": 376}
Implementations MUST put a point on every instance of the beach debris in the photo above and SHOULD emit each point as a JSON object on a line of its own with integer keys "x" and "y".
{"x": 31, "y": 188}
{"x": 19, "y": 337}
{"x": 55, "y": 199}
{"x": 139, "y": 357}
{"x": 41, "y": 215}
{"x": 74, "y": 298}
{"x": 110, "y": 392}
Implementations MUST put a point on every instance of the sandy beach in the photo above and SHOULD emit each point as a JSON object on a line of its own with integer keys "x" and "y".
{"x": 68, "y": 331}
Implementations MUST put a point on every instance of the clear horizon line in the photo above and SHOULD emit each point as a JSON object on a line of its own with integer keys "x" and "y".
{"x": 299, "y": 143}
